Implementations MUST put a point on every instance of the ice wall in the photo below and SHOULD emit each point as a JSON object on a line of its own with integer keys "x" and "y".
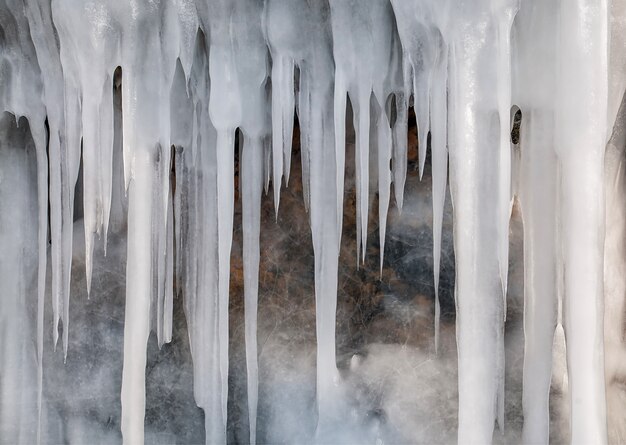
{"x": 196, "y": 73}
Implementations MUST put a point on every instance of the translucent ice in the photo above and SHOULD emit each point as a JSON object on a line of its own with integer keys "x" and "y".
{"x": 147, "y": 97}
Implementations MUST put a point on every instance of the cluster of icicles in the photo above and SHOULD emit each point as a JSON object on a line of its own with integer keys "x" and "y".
{"x": 196, "y": 71}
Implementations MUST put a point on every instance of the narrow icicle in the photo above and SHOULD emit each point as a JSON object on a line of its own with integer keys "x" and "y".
{"x": 400, "y": 147}
{"x": 283, "y": 102}
{"x": 252, "y": 185}
{"x": 439, "y": 155}
{"x": 225, "y": 210}
{"x": 339, "y": 113}
{"x": 362, "y": 156}
{"x": 505, "y": 21}
{"x": 39, "y": 137}
{"x": 384, "y": 143}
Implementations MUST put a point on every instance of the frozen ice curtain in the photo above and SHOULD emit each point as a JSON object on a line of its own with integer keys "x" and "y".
{"x": 151, "y": 119}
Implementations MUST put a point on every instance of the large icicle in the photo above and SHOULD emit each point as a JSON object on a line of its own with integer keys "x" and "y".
{"x": 252, "y": 186}
{"x": 146, "y": 129}
{"x": 474, "y": 179}
{"x": 581, "y": 129}
{"x": 238, "y": 72}
{"x": 196, "y": 207}
{"x": 18, "y": 229}
{"x": 22, "y": 96}
{"x": 308, "y": 42}
{"x": 534, "y": 87}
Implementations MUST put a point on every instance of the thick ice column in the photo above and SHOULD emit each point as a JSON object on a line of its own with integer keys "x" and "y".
{"x": 22, "y": 95}
{"x": 534, "y": 91}
{"x": 538, "y": 200}
{"x": 475, "y": 181}
{"x": 139, "y": 287}
{"x": 145, "y": 132}
{"x": 581, "y": 129}
{"x": 18, "y": 266}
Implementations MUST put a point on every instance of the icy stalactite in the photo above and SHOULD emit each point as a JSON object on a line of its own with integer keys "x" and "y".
{"x": 581, "y": 129}
{"x": 252, "y": 186}
{"x": 21, "y": 95}
{"x": 283, "y": 107}
{"x": 425, "y": 58}
{"x": 238, "y": 71}
{"x": 439, "y": 153}
{"x": 533, "y": 92}
{"x": 195, "y": 215}
{"x": 18, "y": 237}
{"x": 475, "y": 182}
{"x": 196, "y": 72}
{"x": 364, "y": 47}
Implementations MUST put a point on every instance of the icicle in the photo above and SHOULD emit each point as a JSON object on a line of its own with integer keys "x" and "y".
{"x": 581, "y": 134}
{"x": 384, "y": 178}
{"x": 252, "y": 183}
{"x": 200, "y": 242}
{"x": 225, "y": 208}
{"x": 138, "y": 295}
{"x": 282, "y": 119}
{"x": 304, "y": 116}
{"x": 19, "y": 395}
{"x": 169, "y": 277}
{"x": 70, "y": 162}
{"x": 505, "y": 13}
{"x": 196, "y": 74}
{"x": 363, "y": 47}
{"x": 362, "y": 149}
{"x": 474, "y": 162}
{"x": 439, "y": 154}
{"x": 339, "y": 113}
{"x": 400, "y": 147}
{"x": 39, "y": 137}
{"x": 326, "y": 251}
{"x": 421, "y": 93}
{"x": 535, "y": 42}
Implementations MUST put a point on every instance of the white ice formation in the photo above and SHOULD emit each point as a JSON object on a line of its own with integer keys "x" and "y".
{"x": 195, "y": 72}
